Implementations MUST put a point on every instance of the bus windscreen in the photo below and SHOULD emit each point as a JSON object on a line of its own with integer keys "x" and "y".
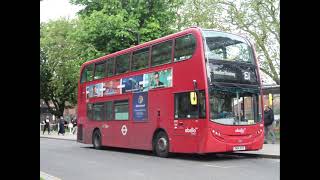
{"x": 234, "y": 106}
{"x": 227, "y": 47}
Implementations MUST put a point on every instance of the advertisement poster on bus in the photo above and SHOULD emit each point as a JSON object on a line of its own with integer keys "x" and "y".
{"x": 95, "y": 90}
{"x": 111, "y": 87}
{"x": 160, "y": 79}
{"x": 132, "y": 84}
{"x": 140, "y": 106}
{"x": 145, "y": 82}
{"x": 87, "y": 92}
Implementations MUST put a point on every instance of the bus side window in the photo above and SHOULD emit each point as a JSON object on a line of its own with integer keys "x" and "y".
{"x": 108, "y": 110}
{"x": 87, "y": 73}
{"x": 122, "y": 63}
{"x": 98, "y": 112}
{"x": 184, "y": 47}
{"x": 161, "y": 53}
{"x": 121, "y": 110}
{"x": 89, "y": 111}
{"x": 140, "y": 59}
{"x": 110, "y": 67}
{"x": 100, "y": 70}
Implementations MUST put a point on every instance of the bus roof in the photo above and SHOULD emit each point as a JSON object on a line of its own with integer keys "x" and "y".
{"x": 139, "y": 46}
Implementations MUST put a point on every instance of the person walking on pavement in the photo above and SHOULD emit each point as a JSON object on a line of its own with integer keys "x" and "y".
{"x": 46, "y": 125}
{"x": 74, "y": 125}
{"x": 70, "y": 126}
{"x": 268, "y": 121}
{"x": 61, "y": 126}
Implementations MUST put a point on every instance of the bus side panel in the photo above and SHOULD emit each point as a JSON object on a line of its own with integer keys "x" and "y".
{"x": 160, "y": 111}
{"x": 189, "y": 135}
{"x": 188, "y": 138}
{"x": 117, "y": 133}
{"x": 81, "y": 119}
{"x": 140, "y": 134}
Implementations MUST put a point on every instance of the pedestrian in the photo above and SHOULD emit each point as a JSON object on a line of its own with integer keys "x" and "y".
{"x": 74, "y": 125}
{"x": 46, "y": 125}
{"x": 61, "y": 126}
{"x": 268, "y": 121}
{"x": 70, "y": 126}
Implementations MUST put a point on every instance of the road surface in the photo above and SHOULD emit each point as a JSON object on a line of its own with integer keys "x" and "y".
{"x": 70, "y": 160}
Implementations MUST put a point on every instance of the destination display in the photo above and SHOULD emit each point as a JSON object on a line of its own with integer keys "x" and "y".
{"x": 233, "y": 73}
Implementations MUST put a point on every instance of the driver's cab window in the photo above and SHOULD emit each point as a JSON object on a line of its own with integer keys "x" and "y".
{"x": 183, "y": 108}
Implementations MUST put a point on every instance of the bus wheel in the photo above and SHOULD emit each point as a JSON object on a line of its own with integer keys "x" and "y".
{"x": 96, "y": 139}
{"x": 161, "y": 144}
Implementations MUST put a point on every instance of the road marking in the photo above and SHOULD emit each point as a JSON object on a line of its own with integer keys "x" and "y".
{"x": 271, "y": 160}
{"x": 137, "y": 173}
{"x": 274, "y": 160}
{"x": 210, "y": 165}
{"x": 48, "y": 176}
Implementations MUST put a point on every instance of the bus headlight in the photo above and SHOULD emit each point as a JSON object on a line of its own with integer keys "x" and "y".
{"x": 214, "y": 132}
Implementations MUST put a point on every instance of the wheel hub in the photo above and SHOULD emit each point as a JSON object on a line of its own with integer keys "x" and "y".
{"x": 162, "y": 144}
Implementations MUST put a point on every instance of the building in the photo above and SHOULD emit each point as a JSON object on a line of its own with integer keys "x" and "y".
{"x": 44, "y": 112}
{"x": 271, "y": 97}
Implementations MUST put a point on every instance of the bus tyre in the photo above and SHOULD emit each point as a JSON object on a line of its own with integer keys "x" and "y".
{"x": 96, "y": 139}
{"x": 161, "y": 145}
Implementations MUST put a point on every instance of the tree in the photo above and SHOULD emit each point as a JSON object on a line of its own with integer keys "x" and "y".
{"x": 258, "y": 19}
{"x": 102, "y": 27}
{"x": 201, "y": 13}
{"x": 112, "y": 25}
{"x": 59, "y": 65}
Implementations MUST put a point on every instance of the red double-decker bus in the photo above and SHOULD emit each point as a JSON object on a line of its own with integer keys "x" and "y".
{"x": 195, "y": 91}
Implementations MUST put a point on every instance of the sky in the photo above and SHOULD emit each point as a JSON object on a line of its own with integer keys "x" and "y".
{"x": 53, "y": 9}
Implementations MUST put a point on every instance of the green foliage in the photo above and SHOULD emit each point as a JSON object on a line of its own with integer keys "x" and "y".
{"x": 102, "y": 27}
{"x": 113, "y": 25}
{"x": 59, "y": 65}
{"x": 257, "y": 19}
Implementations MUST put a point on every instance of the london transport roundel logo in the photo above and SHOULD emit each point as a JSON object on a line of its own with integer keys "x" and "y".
{"x": 140, "y": 99}
{"x": 124, "y": 130}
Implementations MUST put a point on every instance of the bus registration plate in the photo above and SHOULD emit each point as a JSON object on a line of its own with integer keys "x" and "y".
{"x": 239, "y": 148}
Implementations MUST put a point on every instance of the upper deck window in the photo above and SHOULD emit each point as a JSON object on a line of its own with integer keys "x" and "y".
{"x": 87, "y": 73}
{"x": 100, "y": 70}
{"x": 110, "y": 67}
{"x": 122, "y": 64}
{"x": 140, "y": 59}
{"x": 184, "y": 47}
{"x": 161, "y": 53}
{"x": 227, "y": 47}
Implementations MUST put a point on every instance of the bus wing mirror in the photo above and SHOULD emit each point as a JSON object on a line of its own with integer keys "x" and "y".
{"x": 193, "y": 98}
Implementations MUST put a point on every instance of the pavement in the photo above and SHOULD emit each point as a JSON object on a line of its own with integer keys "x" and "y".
{"x": 267, "y": 151}
{"x": 54, "y": 135}
{"x": 48, "y": 176}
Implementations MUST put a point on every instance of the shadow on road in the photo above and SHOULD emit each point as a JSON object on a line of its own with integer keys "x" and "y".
{"x": 183, "y": 156}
